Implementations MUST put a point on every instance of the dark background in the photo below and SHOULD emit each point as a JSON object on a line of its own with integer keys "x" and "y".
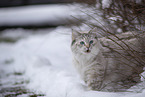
{"x": 9, "y": 3}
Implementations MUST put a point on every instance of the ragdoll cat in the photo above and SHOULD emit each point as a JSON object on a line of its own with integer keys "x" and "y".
{"x": 102, "y": 64}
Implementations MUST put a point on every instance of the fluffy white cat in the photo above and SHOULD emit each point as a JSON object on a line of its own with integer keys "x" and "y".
{"x": 103, "y": 64}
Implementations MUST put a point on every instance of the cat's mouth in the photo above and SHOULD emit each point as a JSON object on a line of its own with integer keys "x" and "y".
{"x": 87, "y": 51}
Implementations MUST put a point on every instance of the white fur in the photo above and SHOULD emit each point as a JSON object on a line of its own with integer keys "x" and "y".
{"x": 102, "y": 73}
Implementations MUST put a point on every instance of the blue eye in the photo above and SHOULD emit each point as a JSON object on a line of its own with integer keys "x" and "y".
{"x": 91, "y": 41}
{"x": 82, "y": 43}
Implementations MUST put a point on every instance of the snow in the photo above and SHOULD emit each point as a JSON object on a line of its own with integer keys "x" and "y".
{"x": 46, "y": 61}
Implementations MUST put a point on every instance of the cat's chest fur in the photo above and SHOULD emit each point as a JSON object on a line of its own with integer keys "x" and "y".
{"x": 84, "y": 59}
{"x": 81, "y": 61}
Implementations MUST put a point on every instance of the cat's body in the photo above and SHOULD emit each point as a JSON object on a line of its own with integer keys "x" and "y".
{"x": 102, "y": 64}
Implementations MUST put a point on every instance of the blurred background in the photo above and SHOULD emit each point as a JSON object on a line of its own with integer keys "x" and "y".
{"x": 36, "y": 13}
{"x": 32, "y": 13}
{"x": 128, "y": 14}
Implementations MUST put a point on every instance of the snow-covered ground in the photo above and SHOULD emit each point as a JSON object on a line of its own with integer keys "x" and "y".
{"x": 45, "y": 60}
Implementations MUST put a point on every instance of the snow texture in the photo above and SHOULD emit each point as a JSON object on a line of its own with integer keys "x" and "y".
{"x": 46, "y": 61}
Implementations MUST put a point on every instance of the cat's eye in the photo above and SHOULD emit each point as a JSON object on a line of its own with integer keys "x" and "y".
{"x": 82, "y": 43}
{"x": 91, "y": 41}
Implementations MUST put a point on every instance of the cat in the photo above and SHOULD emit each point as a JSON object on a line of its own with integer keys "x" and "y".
{"x": 103, "y": 64}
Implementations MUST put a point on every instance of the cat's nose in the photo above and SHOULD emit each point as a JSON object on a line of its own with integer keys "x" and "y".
{"x": 87, "y": 49}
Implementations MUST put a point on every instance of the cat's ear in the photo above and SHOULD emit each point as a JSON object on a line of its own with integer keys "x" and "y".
{"x": 75, "y": 34}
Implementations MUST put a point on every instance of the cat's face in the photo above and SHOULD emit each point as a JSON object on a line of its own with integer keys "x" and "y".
{"x": 84, "y": 43}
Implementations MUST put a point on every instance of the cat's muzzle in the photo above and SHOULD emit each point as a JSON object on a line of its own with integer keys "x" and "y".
{"x": 87, "y": 50}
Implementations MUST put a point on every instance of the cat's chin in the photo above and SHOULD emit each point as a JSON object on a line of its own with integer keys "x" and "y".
{"x": 87, "y": 52}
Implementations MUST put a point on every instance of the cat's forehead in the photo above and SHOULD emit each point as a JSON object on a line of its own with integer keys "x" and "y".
{"x": 87, "y": 35}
